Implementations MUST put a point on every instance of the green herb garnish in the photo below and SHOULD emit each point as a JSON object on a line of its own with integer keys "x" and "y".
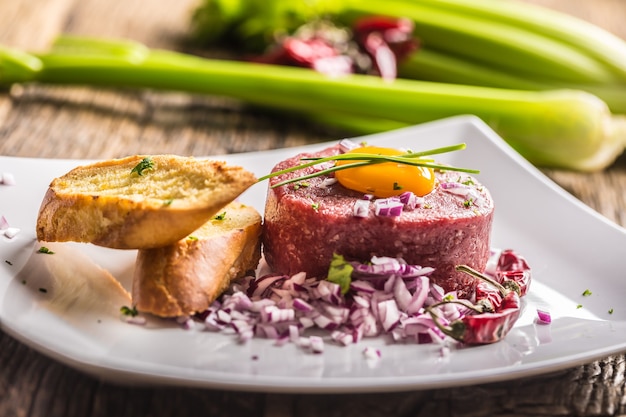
{"x": 45, "y": 250}
{"x": 192, "y": 237}
{"x": 129, "y": 311}
{"x": 340, "y": 272}
{"x": 586, "y": 293}
{"x": 363, "y": 159}
{"x": 146, "y": 164}
{"x": 397, "y": 186}
{"x": 315, "y": 206}
{"x": 610, "y": 311}
{"x": 220, "y": 216}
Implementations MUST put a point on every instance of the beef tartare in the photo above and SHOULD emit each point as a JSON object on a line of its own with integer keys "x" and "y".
{"x": 307, "y": 222}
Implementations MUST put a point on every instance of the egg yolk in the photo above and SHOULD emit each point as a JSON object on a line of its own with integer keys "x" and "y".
{"x": 385, "y": 179}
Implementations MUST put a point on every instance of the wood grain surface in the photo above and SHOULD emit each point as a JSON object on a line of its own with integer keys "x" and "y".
{"x": 81, "y": 122}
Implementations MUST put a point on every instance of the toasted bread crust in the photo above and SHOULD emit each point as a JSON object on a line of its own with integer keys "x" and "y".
{"x": 186, "y": 277}
{"x": 108, "y": 204}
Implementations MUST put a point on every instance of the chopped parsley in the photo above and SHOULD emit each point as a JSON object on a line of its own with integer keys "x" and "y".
{"x": 586, "y": 293}
{"x": 397, "y": 186}
{"x": 192, "y": 237}
{"x": 610, "y": 311}
{"x": 168, "y": 202}
{"x": 45, "y": 250}
{"x": 220, "y": 216}
{"x": 129, "y": 311}
{"x": 315, "y": 206}
{"x": 340, "y": 272}
{"x": 468, "y": 203}
{"x": 579, "y": 306}
{"x": 302, "y": 184}
{"x": 146, "y": 164}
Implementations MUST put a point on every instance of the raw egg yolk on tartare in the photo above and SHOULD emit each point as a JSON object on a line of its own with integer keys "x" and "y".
{"x": 385, "y": 179}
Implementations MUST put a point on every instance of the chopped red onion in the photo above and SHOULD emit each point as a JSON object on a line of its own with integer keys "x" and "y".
{"x": 7, "y": 179}
{"x": 4, "y": 223}
{"x": 361, "y": 208}
{"x": 347, "y": 145}
{"x": 466, "y": 191}
{"x": 317, "y": 344}
{"x": 323, "y": 165}
{"x": 410, "y": 200}
{"x": 327, "y": 182}
{"x": 11, "y": 232}
{"x": 386, "y": 297}
{"x": 139, "y": 320}
{"x": 371, "y": 353}
{"x": 186, "y": 322}
{"x": 456, "y": 188}
{"x": 388, "y": 207}
{"x": 543, "y": 316}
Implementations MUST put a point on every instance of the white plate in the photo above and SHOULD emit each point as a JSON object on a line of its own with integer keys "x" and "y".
{"x": 570, "y": 247}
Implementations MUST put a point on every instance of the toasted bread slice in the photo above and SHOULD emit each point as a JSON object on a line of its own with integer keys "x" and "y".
{"x": 139, "y": 201}
{"x": 186, "y": 277}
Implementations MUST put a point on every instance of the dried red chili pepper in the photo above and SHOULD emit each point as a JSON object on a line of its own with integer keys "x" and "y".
{"x": 487, "y": 328}
{"x": 485, "y": 323}
{"x": 513, "y": 267}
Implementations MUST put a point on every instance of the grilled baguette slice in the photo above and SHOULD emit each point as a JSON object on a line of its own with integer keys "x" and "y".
{"x": 186, "y": 277}
{"x": 139, "y": 201}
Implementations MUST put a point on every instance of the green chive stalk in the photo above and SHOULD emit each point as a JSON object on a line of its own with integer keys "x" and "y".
{"x": 560, "y": 128}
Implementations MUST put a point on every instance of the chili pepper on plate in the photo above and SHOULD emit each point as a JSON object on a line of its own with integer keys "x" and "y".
{"x": 497, "y": 308}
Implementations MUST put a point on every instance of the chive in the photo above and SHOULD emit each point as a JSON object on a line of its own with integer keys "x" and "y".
{"x": 412, "y": 158}
{"x": 45, "y": 250}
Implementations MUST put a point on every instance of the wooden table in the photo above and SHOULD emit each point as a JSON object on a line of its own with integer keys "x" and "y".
{"x": 53, "y": 122}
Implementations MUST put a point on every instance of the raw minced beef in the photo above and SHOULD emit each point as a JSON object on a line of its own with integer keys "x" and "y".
{"x": 305, "y": 224}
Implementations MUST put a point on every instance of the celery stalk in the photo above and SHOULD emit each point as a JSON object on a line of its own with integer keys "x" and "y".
{"x": 431, "y": 65}
{"x": 564, "y": 128}
{"x": 591, "y": 39}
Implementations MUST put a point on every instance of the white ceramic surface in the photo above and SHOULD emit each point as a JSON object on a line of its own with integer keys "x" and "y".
{"x": 570, "y": 247}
